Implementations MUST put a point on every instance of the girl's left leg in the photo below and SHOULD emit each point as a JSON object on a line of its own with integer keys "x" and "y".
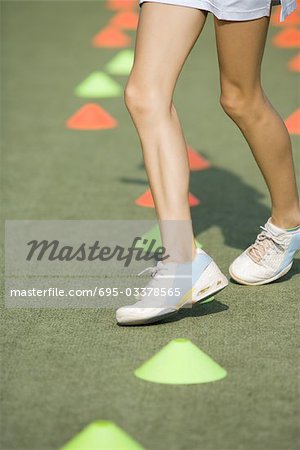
{"x": 240, "y": 48}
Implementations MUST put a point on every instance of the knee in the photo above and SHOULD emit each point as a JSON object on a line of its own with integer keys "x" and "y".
{"x": 134, "y": 97}
{"x": 243, "y": 105}
{"x": 234, "y": 103}
{"x": 142, "y": 100}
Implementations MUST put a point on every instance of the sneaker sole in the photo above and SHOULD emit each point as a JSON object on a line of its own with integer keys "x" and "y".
{"x": 215, "y": 282}
{"x": 149, "y": 320}
{"x": 257, "y": 283}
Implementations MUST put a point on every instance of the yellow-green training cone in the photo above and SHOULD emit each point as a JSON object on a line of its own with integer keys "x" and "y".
{"x": 208, "y": 300}
{"x": 154, "y": 235}
{"x": 180, "y": 362}
{"x": 98, "y": 84}
{"x": 102, "y": 435}
{"x": 122, "y": 63}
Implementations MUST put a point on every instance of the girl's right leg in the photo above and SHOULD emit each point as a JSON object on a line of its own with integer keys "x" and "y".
{"x": 165, "y": 36}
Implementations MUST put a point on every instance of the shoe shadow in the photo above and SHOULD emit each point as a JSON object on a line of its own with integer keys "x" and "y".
{"x": 226, "y": 202}
{"x": 198, "y": 310}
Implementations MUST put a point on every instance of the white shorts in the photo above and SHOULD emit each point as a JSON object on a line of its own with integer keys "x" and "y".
{"x": 235, "y": 9}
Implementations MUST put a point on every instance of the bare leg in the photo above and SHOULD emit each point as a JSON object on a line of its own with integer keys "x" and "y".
{"x": 165, "y": 36}
{"x": 240, "y": 50}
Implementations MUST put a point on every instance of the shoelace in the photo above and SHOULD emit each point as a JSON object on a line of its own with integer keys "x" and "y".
{"x": 154, "y": 270}
{"x": 263, "y": 242}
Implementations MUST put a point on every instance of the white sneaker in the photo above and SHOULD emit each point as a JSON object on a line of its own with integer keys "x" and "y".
{"x": 172, "y": 287}
{"x": 269, "y": 258}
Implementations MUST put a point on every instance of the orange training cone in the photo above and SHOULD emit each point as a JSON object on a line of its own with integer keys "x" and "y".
{"x": 91, "y": 117}
{"x": 293, "y": 122}
{"x": 121, "y": 4}
{"x": 275, "y": 18}
{"x": 288, "y": 38}
{"x": 294, "y": 63}
{"x": 146, "y": 200}
{"x": 193, "y": 201}
{"x": 126, "y": 20}
{"x": 111, "y": 37}
{"x": 290, "y": 20}
{"x": 196, "y": 161}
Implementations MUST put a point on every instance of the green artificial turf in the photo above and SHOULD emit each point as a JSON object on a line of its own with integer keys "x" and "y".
{"x": 62, "y": 369}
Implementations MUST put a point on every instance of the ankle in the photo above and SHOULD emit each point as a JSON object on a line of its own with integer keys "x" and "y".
{"x": 181, "y": 256}
{"x": 286, "y": 220}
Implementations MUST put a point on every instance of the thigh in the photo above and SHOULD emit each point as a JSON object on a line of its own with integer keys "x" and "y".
{"x": 164, "y": 38}
{"x": 240, "y": 47}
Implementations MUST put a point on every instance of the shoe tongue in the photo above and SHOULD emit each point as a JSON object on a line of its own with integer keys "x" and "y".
{"x": 273, "y": 228}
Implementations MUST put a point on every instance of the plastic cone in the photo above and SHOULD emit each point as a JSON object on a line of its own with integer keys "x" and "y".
{"x": 122, "y": 63}
{"x": 288, "y": 38}
{"x": 111, "y": 37}
{"x": 208, "y": 300}
{"x": 98, "y": 84}
{"x": 198, "y": 243}
{"x": 154, "y": 235}
{"x": 102, "y": 435}
{"x": 196, "y": 161}
{"x": 147, "y": 238}
{"x": 291, "y": 19}
{"x": 127, "y": 20}
{"x": 193, "y": 201}
{"x": 293, "y": 122}
{"x": 275, "y": 18}
{"x": 180, "y": 362}
{"x": 294, "y": 63}
{"x": 146, "y": 200}
{"x": 91, "y": 117}
{"x": 121, "y": 4}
